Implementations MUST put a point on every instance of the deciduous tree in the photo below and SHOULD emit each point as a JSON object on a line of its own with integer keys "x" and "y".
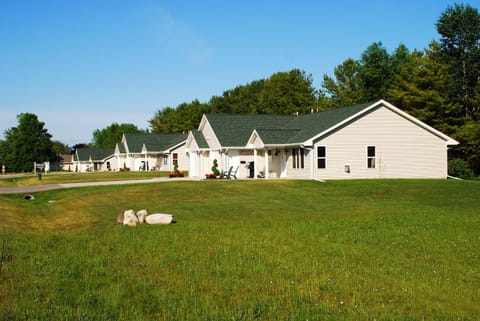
{"x": 25, "y": 144}
{"x": 111, "y": 135}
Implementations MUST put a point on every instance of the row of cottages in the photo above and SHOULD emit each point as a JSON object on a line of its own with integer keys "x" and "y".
{"x": 136, "y": 152}
{"x": 148, "y": 152}
{"x": 372, "y": 140}
{"x": 92, "y": 159}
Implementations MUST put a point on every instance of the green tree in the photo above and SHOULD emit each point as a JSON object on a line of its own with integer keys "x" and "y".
{"x": 282, "y": 93}
{"x": 184, "y": 117}
{"x": 5, "y": 152}
{"x": 469, "y": 148}
{"x": 111, "y": 135}
{"x": 420, "y": 88}
{"x": 25, "y": 144}
{"x": 367, "y": 79}
{"x": 243, "y": 99}
{"x": 375, "y": 73}
{"x": 459, "y": 28}
{"x": 189, "y": 115}
{"x": 288, "y": 93}
{"x": 345, "y": 89}
{"x": 60, "y": 148}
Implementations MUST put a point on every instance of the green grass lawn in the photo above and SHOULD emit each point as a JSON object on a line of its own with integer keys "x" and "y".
{"x": 70, "y": 177}
{"x": 245, "y": 250}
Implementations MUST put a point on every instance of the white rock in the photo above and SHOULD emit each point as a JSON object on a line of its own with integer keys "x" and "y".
{"x": 129, "y": 216}
{"x": 141, "y": 216}
{"x": 159, "y": 219}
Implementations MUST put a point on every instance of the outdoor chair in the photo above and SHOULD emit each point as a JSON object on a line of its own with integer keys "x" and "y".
{"x": 234, "y": 174}
{"x": 228, "y": 173}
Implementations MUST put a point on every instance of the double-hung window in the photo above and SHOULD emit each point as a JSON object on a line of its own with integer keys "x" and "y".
{"x": 371, "y": 156}
{"x": 175, "y": 159}
{"x": 321, "y": 157}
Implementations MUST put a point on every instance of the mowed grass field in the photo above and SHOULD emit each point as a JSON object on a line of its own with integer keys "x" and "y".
{"x": 71, "y": 177}
{"x": 245, "y": 250}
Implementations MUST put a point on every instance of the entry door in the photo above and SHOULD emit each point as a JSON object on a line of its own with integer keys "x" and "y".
{"x": 194, "y": 166}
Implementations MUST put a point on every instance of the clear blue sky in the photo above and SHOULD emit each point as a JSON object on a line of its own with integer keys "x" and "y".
{"x": 83, "y": 65}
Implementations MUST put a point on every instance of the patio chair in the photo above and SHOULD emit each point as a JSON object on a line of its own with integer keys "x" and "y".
{"x": 234, "y": 174}
{"x": 227, "y": 173}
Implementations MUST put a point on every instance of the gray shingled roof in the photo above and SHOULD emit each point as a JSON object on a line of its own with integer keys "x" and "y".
{"x": 200, "y": 139}
{"x": 277, "y": 136}
{"x": 153, "y": 142}
{"x": 121, "y": 148}
{"x": 235, "y": 130}
{"x": 313, "y": 124}
{"x": 95, "y": 154}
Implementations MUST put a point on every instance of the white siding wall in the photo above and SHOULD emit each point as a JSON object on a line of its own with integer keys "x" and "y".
{"x": 246, "y": 156}
{"x": 205, "y": 164}
{"x": 299, "y": 173}
{"x": 137, "y": 161}
{"x": 164, "y": 167}
{"x": 403, "y": 149}
{"x": 183, "y": 163}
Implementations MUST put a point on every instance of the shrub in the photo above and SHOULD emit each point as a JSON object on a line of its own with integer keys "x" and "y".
{"x": 215, "y": 168}
{"x": 176, "y": 172}
{"x": 459, "y": 168}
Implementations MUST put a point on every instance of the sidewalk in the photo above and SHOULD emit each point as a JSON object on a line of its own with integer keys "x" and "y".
{"x": 40, "y": 188}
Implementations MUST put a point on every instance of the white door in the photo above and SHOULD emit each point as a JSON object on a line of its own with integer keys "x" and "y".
{"x": 194, "y": 166}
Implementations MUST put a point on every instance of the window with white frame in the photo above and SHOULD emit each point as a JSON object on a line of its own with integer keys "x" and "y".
{"x": 321, "y": 157}
{"x": 371, "y": 156}
{"x": 175, "y": 159}
{"x": 165, "y": 160}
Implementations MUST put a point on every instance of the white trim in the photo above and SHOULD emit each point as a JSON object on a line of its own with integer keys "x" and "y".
{"x": 251, "y": 140}
{"x": 201, "y": 127}
{"x": 172, "y": 148}
{"x": 375, "y": 163}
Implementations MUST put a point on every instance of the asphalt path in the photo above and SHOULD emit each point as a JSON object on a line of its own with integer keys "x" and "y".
{"x": 48, "y": 187}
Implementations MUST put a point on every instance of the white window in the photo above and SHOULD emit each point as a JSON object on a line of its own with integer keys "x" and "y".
{"x": 321, "y": 157}
{"x": 371, "y": 156}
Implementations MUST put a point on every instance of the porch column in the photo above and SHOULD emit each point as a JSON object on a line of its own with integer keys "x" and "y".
{"x": 283, "y": 163}
{"x": 146, "y": 161}
{"x": 266, "y": 163}
{"x": 255, "y": 164}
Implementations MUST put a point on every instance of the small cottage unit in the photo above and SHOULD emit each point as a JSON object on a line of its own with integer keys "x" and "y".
{"x": 148, "y": 152}
{"x": 92, "y": 159}
{"x": 372, "y": 140}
